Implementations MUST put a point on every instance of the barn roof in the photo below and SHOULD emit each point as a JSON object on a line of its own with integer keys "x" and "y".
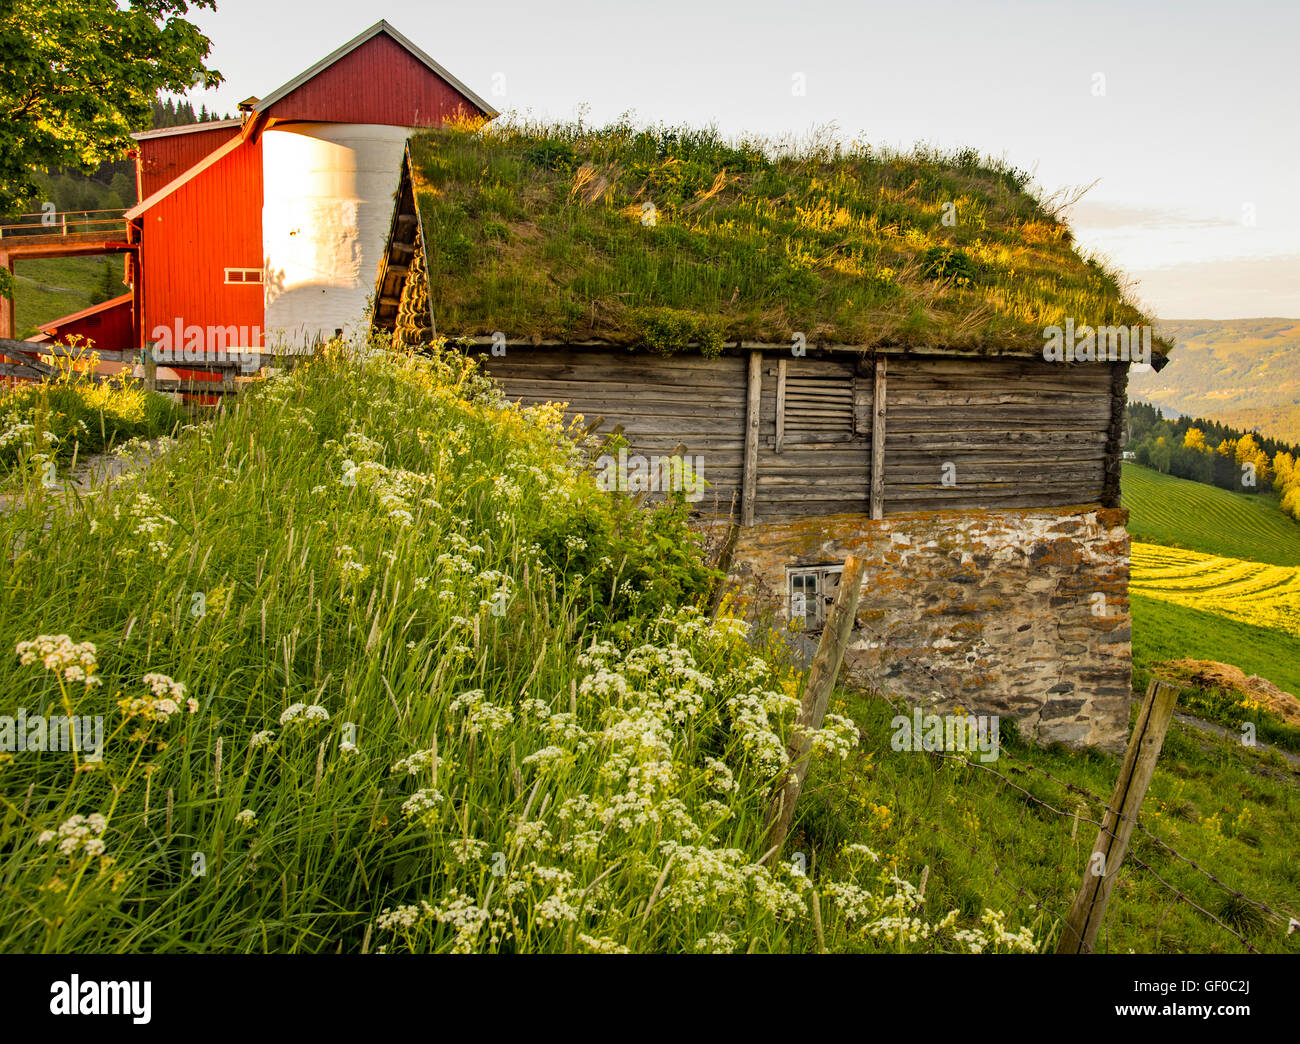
{"x": 672, "y": 236}
{"x": 264, "y": 105}
{"x": 52, "y": 327}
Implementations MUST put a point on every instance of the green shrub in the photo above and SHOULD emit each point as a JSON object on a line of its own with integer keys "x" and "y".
{"x": 671, "y": 330}
{"x": 552, "y": 154}
{"x": 946, "y": 264}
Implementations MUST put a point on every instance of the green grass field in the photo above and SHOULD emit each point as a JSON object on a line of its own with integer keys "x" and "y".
{"x": 1209, "y": 601}
{"x": 1165, "y": 631}
{"x": 984, "y": 841}
{"x": 1179, "y": 513}
{"x": 47, "y": 288}
{"x": 377, "y": 654}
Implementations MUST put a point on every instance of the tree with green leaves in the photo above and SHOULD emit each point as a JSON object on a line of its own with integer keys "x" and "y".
{"x": 80, "y": 75}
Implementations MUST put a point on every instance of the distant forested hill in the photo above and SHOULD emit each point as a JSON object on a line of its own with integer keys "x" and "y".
{"x": 1242, "y": 372}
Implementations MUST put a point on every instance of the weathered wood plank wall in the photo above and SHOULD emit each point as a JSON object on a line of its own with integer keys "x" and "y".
{"x": 960, "y": 433}
{"x": 660, "y": 402}
{"x": 1017, "y": 432}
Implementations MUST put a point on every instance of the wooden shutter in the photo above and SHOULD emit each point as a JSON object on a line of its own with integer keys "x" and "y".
{"x": 817, "y": 409}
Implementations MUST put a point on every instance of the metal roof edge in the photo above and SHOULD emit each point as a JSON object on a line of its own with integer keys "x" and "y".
{"x": 185, "y": 128}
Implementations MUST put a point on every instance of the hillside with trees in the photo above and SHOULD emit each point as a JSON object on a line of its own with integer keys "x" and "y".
{"x": 1213, "y": 453}
{"x": 1240, "y": 372}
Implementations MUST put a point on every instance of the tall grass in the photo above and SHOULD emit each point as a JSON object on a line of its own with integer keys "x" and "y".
{"x": 569, "y": 232}
{"x": 71, "y": 417}
{"x": 380, "y": 668}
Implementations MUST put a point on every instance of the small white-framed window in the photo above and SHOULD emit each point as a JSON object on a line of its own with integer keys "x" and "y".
{"x": 811, "y": 591}
{"x": 243, "y": 275}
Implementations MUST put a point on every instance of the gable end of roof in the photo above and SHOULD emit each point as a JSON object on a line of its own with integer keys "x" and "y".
{"x": 382, "y": 26}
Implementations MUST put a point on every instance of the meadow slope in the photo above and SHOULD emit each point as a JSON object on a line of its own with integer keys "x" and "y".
{"x": 1215, "y": 576}
{"x": 381, "y": 669}
{"x": 1177, "y": 512}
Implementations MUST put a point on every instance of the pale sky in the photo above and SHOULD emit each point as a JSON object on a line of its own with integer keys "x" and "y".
{"x": 1185, "y": 112}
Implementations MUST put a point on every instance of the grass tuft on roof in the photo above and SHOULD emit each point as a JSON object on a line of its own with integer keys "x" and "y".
{"x": 674, "y": 237}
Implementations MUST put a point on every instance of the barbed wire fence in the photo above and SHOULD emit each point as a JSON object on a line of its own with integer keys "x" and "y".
{"x": 1050, "y": 904}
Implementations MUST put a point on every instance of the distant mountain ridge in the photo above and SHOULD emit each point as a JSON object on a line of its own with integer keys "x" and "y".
{"x": 1242, "y": 372}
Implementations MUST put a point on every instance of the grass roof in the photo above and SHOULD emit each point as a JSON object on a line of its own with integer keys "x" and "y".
{"x": 671, "y": 237}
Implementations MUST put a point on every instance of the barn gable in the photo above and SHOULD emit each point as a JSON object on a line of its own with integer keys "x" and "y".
{"x": 378, "y": 77}
{"x": 165, "y": 154}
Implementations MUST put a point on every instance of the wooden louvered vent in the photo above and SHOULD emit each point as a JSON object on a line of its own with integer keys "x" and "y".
{"x": 816, "y": 409}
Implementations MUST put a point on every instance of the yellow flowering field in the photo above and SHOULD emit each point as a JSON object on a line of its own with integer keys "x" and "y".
{"x": 1251, "y": 592}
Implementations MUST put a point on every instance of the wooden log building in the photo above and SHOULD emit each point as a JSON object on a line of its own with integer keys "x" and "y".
{"x": 980, "y": 479}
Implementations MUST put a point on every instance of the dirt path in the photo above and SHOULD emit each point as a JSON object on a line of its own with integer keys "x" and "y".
{"x": 97, "y": 471}
{"x": 1225, "y": 733}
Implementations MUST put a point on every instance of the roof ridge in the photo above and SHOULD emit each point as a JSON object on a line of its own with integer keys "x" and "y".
{"x": 381, "y": 26}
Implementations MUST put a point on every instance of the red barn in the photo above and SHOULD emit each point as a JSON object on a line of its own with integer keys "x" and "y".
{"x": 110, "y": 324}
{"x": 267, "y": 231}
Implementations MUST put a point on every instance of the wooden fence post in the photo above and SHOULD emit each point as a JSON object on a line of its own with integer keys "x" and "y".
{"x": 1079, "y": 933}
{"x": 878, "y": 400}
{"x": 150, "y": 367}
{"x": 816, "y": 695}
{"x": 749, "y": 476}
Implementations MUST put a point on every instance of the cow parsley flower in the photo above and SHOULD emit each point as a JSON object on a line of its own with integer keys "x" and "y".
{"x": 302, "y": 715}
{"x": 420, "y": 804}
{"x": 415, "y": 763}
{"x": 480, "y": 714}
{"x": 161, "y": 685}
{"x": 78, "y": 833}
{"x": 72, "y": 661}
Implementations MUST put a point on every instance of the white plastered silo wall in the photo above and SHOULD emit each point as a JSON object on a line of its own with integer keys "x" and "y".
{"x": 327, "y": 206}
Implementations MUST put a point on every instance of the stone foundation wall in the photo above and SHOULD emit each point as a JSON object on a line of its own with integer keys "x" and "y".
{"x": 1023, "y": 614}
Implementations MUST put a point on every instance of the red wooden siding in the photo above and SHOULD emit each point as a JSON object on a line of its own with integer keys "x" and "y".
{"x": 163, "y": 159}
{"x": 378, "y": 82}
{"x": 189, "y": 237}
{"x": 110, "y": 325}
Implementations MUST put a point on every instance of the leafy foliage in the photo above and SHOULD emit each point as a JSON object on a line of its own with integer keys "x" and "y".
{"x": 81, "y": 75}
{"x": 670, "y": 330}
{"x": 55, "y": 420}
{"x": 946, "y": 263}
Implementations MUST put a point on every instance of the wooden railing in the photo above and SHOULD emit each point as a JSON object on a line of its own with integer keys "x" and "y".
{"x": 63, "y": 223}
{"x": 21, "y": 359}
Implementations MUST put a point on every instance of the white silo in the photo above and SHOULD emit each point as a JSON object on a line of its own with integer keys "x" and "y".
{"x": 327, "y": 204}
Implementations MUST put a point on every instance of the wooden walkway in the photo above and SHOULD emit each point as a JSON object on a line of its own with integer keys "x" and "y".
{"x": 80, "y": 233}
